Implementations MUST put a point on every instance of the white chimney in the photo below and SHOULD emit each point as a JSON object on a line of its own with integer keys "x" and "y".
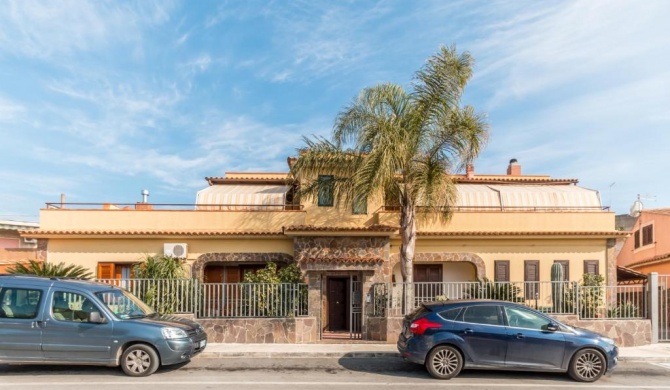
{"x": 145, "y": 196}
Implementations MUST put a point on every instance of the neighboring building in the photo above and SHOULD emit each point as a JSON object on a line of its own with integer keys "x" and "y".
{"x": 15, "y": 249}
{"x": 648, "y": 248}
{"x": 509, "y": 227}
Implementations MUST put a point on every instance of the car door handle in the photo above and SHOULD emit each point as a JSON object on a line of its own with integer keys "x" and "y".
{"x": 468, "y": 331}
{"x": 37, "y": 324}
{"x": 519, "y": 336}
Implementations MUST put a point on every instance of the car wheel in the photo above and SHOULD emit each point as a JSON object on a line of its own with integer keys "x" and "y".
{"x": 444, "y": 362}
{"x": 139, "y": 360}
{"x": 588, "y": 365}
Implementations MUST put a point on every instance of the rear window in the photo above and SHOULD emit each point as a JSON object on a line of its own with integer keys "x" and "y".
{"x": 419, "y": 311}
{"x": 451, "y": 314}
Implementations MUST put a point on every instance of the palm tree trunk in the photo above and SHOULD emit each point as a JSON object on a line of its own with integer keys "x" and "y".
{"x": 407, "y": 247}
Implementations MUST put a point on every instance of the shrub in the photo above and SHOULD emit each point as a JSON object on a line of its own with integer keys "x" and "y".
{"x": 40, "y": 268}
{"x": 487, "y": 289}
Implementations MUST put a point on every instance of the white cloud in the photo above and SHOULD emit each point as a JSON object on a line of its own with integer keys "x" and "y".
{"x": 9, "y": 110}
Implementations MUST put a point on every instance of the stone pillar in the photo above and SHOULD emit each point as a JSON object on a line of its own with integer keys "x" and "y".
{"x": 610, "y": 259}
{"x": 314, "y": 300}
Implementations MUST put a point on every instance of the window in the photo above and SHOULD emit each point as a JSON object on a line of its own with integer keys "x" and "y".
{"x": 450, "y": 314}
{"x": 485, "y": 315}
{"x": 19, "y": 303}
{"x": 591, "y": 267}
{"x": 566, "y": 268}
{"x": 647, "y": 235}
{"x": 360, "y": 205}
{"x": 501, "y": 271}
{"x": 522, "y": 318}
{"x": 326, "y": 186}
{"x": 531, "y": 276}
{"x": 72, "y": 307}
{"x": 637, "y": 238}
{"x": 115, "y": 271}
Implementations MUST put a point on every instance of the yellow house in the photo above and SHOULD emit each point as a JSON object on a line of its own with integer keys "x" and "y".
{"x": 505, "y": 227}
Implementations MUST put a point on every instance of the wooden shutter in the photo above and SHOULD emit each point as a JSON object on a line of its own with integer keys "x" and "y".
{"x": 106, "y": 271}
{"x": 648, "y": 235}
{"x": 637, "y": 238}
{"x": 531, "y": 274}
{"x": 501, "y": 271}
{"x": 591, "y": 267}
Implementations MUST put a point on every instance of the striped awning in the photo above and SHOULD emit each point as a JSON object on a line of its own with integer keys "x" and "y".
{"x": 242, "y": 197}
{"x": 527, "y": 197}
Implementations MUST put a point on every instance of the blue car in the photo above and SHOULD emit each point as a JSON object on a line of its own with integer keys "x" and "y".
{"x": 449, "y": 336}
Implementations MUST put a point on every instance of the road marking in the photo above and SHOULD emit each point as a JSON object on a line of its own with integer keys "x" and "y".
{"x": 441, "y": 384}
{"x": 664, "y": 365}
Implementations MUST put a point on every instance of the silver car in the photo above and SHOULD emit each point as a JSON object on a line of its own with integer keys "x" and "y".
{"x": 66, "y": 321}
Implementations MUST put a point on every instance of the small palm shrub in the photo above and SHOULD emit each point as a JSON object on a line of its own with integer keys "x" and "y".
{"x": 40, "y": 268}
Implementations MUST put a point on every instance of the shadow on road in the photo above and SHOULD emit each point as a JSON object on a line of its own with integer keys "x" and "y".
{"x": 397, "y": 367}
{"x": 71, "y": 369}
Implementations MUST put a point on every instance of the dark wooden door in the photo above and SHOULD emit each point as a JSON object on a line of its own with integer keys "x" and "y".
{"x": 338, "y": 304}
{"x": 213, "y": 274}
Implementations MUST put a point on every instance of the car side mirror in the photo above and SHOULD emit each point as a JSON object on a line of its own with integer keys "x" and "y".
{"x": 552, "y": 327}
{"x": 96, "y": 318}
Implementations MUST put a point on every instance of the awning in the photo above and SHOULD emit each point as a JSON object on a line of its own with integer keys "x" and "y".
{"x": 526, "y": 197}
{"x": 477, "y": 197}
{"x": 242, "y": 197}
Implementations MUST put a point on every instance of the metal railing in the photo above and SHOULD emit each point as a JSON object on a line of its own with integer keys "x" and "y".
{"x": 212, "y": 300}
{"x": 162, "y": 295}
{"x": 395, "y": 208}
{"x": 589, "y": 302}
{"x": 173, "y": 206}
{"x": 253, "y": 300}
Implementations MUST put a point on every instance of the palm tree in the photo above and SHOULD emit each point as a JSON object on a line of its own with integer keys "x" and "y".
{"x": 390, "y": 143}
{"x": 40, "y": 268}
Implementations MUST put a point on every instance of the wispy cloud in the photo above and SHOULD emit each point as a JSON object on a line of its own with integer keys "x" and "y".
{"x": 9, "y": 110}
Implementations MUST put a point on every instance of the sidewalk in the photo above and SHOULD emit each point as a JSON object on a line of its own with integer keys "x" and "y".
{"x": 659, "y": 353}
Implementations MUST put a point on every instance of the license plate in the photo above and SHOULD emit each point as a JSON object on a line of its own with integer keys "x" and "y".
{"x": 203, "y": 343}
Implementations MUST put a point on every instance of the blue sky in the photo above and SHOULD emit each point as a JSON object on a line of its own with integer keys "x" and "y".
{"x": 99, "y": 100}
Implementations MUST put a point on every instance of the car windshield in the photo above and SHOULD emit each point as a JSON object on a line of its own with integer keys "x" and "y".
{"x": 124, "y": 305}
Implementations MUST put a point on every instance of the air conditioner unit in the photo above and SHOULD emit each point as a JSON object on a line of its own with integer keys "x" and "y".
{"x": 175, "y": 250}
{"x": 30, "y": 241}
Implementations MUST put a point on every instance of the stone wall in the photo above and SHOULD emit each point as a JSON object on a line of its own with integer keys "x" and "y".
{"x": 261, "y": 330}
{"x": 625, "y": 332}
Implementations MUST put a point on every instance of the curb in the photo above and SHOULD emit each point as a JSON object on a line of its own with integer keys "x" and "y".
{"x": 643, "y": 359}
{"x": 306, "y": 355}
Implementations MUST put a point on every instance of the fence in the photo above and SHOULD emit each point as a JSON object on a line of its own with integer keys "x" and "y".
{"x": 218, "y": 299}
{"x": 592, "y": 302}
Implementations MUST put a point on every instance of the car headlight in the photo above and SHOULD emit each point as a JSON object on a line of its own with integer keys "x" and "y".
{"x": 607, "y": 340}
{"x": 173, "y": 333}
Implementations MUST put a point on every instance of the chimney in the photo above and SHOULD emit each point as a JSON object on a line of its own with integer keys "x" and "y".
{"x": 145, "y": 196}
{"x": 144, "y": 204}
{"x": 469, "y": 171}
{"x": 514, "y": 168}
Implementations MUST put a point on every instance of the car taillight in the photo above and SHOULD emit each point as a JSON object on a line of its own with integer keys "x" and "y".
{"x": 421, "y": 325}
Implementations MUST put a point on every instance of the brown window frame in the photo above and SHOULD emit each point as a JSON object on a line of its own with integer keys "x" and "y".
{"x": 114, "y": 269}
{"x": 530, "y": 288}
{"x": 588, "y": 263}
{"x": 496, "y": 275}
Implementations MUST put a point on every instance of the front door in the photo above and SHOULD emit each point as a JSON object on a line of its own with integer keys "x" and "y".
{"x": 338, "y": 303}
{"x": 67, "y": 334}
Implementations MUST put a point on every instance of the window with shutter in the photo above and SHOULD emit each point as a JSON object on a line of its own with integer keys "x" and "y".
{"x": 637, "y": 238}
{"x": 531, "y": 277}
{"x": 648, "y": 235}
{"x": 326, "y": 188}
{"x": 591, "y": 267}
{"x": 566, "y": 268}
{"x": 501, "y": 271}
{"x": 105, "y": 270}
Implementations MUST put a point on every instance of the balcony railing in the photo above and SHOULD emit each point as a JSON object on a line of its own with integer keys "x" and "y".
{"x": 173, "y": 206}
{"x": 394, "y": 208}
{"x": 589, "y": 302}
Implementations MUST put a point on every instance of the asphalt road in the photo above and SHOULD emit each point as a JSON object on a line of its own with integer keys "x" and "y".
{"x": 321, "y": 374}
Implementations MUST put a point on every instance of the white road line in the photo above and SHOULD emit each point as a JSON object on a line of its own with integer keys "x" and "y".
{"x": 440, "y": 384}
{"x": 664, "y": 365}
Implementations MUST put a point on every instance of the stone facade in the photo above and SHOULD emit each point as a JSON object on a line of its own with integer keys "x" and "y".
{"x": 261, "y": 330}
{"x": 625, "y": 332}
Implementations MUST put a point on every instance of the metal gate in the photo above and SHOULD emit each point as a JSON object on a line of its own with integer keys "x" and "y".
{"x": 355, "y": 308}
{"x": 663, "y": 307}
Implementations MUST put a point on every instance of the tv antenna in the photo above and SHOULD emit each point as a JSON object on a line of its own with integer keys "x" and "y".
{"x": 637, "y": 206}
